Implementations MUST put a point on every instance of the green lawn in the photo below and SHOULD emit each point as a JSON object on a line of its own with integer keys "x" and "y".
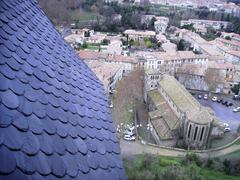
{"x": 237, "y": 142}
{"x": 216, "y": 175}
{"x": 158, "y": 167}
{"x": 83, "y": 15}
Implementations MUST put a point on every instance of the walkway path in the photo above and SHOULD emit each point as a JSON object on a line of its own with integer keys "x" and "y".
{"x": 134, "y": 148}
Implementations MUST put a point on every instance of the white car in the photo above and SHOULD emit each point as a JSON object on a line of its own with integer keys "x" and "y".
{"x": 214, "y": 99}
{"x": 129, "y": 138}
{"x": 227, "y": 129}
{"x": 226, "y": 124}
{"x": 237, "y": 109}
{"x": 205, "y": 96}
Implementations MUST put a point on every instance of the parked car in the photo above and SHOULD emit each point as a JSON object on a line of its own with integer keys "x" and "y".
{"x": 230, "y": 104}
{"x": 205, "y": 96}
{"x": 214, "y": 99}
{"x": 111, "y": 105}
{"x": 129, "y": 138}
{"x": 237, "y": 109}
{"x": 236, "y": 97}
{"x": 226, "y": 124}
{"x": 219, "y": 100}
{"x": 224, "y": 103}
{"x": 227, "y": 129}
{"x": 199, "y": 96}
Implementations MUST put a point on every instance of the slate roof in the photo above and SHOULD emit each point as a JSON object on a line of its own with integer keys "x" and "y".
{"x": 54, "y": 116}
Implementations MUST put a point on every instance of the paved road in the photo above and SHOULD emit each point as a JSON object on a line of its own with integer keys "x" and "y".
{"x": 134, "y": 148}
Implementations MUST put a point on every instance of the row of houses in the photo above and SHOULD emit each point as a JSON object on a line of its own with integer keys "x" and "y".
{"x": 160, "y": 22}
{"x": 156, "y": 60}
{"x": 201, "y": 25}
{"x": 222, "y": 48}
{"x": 108, "y": 68}
{"x": 213, "y": 76}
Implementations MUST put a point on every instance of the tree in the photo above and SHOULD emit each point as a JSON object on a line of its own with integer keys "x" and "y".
{"x": 183, "y": 45}
{"x": 236, "y": 88}
{"x": 151, "y": 25}
{"x": 228, "y": 38}
{"x": 105, "y": 42}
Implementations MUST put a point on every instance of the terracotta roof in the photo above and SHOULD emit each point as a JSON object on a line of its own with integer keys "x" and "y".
{"x": 121, "y": 58}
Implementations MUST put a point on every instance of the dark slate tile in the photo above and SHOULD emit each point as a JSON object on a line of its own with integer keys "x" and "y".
{"x": 73, "y": 118}
{"x": 31, "y": 94}
{"x": 25, "y": 107}
{"x": 7, "y": 72}
{"x": 9, "y": 99}
{"x": 54, "y": 101}
{"x": 92, "y": 160}
{"x": 8, "y": 162}
{"x": 83, "y": 163}
{"x": 81, "y": 145}
{"x": 12, "y": 138}
{"x": 81, "y": 132}
{"x": 20, "y": 52}
{"x": 46, "y": 143}
{"x": 71, "y": 164}
{"x": 4, "y": 83}
{"x": 57, "y": 165}
{"x": 117, "y": 160}
{"x": 70, "y": 145}
{"x": 8, "y": 30}
{"x": 110, "y": 161}
{"x": 23, "y": 77}
{"x": 91, "y": 145}
{"x": 18, "y": 59}
{"x": 72, "y": 130}
{"x": 100, "y": 147}
{"x": 25, "y": 163}
{"x": 31, "y": 144}
{"x": 91, "y": 132}
{"x": 58, "y": 145}
{"x": 12, "y": 25}
{"x": 35, "y": 83}
{"x": 109, "y": 145}
{"x": 105, "y": 133}
{"x": 49, "y": 126}
{"x": 61, "y": 131}
{"x": 103, "y": 161}
{"x": 21, "y": 123}
{"x": 10, "y": 45}
{"x": 27, "y": 69}
{"x": 17, "y": 174}
{"x": 116, "y": 148}
{"x": 5, "y": 36}
{"x": 43, "y": 98}
{"x": 114, "y": 173}
{"x": 4, "y": 18}
{"x": 5, "y": 119}
{"x": 51, "y": 112}
{"x": 35, "y": 124}
{"x": 39, "y": 110}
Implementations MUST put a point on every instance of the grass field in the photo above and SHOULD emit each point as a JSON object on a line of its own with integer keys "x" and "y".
{"x": 158, "y": 167}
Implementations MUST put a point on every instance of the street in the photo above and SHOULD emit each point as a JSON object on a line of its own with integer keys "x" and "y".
{"x": 225, "y": 114}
